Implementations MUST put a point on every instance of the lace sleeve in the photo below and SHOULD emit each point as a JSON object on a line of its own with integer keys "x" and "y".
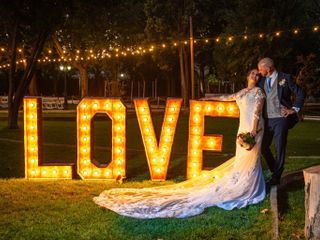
{"x": 225, "y": 97}
{"x": 259, "y": 101}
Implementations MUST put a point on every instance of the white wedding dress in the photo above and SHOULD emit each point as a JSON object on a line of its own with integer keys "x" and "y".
{"x": 239, "y": 184}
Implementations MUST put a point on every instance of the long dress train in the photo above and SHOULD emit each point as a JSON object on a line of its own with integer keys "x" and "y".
{"x": 234, "y": 184}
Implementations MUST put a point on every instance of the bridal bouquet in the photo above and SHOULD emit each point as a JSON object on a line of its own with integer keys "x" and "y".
{"x": 246, "y": 140}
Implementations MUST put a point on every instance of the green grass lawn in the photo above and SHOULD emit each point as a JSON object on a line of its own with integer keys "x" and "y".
{"x": 65, "y": 210}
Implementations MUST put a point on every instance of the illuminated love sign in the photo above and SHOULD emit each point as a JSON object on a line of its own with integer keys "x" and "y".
{"x": 116, "y": 111}
{"x": 198, "y": 142}
{"x": 157, "y": 152}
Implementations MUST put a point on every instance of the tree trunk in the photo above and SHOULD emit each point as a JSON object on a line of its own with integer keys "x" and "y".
{"x": 156, "y": 88}
{"x": 201, "y": 81}
{"x": 183, "y": 84}
{"x": 144, "y": 89}
{"x": 312, "y": 202}
{"x": 83, "y": 68}
{"x": 33, "y": 91}
{"x": 25, "y": 80}
{"x": 83, "y": 80}
{"x": 12, "y": 119}
{"x": 114, "y": 81}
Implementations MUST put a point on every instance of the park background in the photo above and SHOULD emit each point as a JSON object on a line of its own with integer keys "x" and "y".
{"x": 67, "y": 50}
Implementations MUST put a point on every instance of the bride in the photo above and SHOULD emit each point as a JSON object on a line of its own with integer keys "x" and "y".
{"x": 240, "y": 181}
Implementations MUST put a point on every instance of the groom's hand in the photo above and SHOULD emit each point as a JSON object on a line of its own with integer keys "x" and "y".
{"x": 286, "y": 112}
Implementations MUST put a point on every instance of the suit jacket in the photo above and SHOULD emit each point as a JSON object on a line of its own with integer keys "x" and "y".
{"x": 287, "y": 88}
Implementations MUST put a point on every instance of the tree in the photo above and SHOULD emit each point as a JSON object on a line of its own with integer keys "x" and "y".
{"x": 28, "y": 24}
{"x": 97, "y": 29}
{"x": 168, "y": 20}
{"x": 309, "y": 74}
{"x": 252, "y": 18}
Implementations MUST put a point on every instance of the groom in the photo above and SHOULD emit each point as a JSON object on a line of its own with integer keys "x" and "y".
{"x": 280, "y": 114}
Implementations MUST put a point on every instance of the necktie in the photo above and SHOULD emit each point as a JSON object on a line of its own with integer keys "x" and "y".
{"x": 268, "y": 84}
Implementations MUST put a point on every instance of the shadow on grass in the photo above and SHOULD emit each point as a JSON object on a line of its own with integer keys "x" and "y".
{"x": 283, "y": 193}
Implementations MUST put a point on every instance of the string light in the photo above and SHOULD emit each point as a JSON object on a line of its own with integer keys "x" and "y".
{"x": 93, "y": 55}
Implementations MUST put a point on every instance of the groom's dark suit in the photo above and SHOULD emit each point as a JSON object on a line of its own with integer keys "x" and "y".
{"x": 277, "y": 127}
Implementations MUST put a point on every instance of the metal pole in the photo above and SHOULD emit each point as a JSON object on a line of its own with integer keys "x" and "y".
{"x": 65, "y": 104}
{"x": 192, "y": 60}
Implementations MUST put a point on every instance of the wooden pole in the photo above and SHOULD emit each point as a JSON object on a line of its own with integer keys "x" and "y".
{"x": 132, "y": 89}
{"x": 156, "y": 88}
{"x": 192, "y": 60}
{"x": 312, "y": 202}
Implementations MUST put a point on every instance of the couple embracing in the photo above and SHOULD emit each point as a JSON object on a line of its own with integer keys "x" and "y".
{"x": 267, "y": 113}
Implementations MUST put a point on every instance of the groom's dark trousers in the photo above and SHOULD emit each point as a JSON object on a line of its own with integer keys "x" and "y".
{"x": 277, "y": 129}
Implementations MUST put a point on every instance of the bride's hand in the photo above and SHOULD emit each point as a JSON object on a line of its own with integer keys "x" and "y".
{"x": 253, "y": 132}
{"x": 240, "y": 140}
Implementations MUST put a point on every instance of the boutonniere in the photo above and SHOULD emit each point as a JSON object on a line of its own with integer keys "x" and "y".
{"x": 282, "y": 82}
